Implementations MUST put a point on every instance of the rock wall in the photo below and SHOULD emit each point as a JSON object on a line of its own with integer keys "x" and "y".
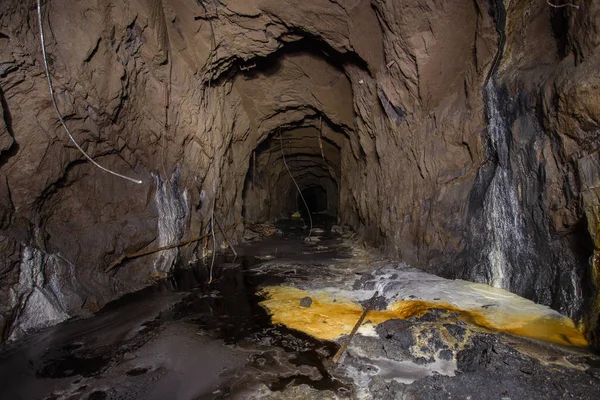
{"x": 551, "y": 139}
{"x": 379, "y": 103}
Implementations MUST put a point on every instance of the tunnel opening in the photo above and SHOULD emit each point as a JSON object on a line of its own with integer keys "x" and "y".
{"x": 291, "y": 165}
{"x": 315, "y": 200}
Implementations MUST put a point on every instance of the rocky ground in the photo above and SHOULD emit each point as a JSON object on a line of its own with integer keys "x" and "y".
{"x": 481, "y": 366}
{"x": 185, "y": 339}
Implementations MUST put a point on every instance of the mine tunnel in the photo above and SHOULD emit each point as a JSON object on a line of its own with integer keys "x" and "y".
{"x": 313, "y": 199}
{"x": 353, "y": 199}
{"x": 296, "y": 170}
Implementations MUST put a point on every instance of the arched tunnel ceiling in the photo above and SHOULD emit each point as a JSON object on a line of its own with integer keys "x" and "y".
{"x": 297, "y": 85}
{"x": 300, "y": 104}
{"x": 348, "y": 26}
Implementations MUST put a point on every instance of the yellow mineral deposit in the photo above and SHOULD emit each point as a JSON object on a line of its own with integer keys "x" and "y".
{"x": 328, "y": 318}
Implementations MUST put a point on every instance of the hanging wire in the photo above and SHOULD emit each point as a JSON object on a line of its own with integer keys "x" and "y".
{"x": 562, "y": 5}
{"x": 210, "y": 71}
{"x": 60, "y": 117}
{"x": 297, "y": 187}
{"x": 212, "y": 229}
{"x": 224, "y": 233}
{"x": 320, "y": 134}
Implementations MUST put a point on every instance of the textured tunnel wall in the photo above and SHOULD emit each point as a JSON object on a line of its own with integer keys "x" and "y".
{"x": 394, "y": 88}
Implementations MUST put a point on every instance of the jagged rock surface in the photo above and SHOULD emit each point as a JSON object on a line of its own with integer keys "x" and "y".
{"x": 394, "y": 88}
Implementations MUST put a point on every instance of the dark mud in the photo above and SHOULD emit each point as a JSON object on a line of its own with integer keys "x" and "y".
{"x": 491, "y": 369}
{"x": 183, "y": 338}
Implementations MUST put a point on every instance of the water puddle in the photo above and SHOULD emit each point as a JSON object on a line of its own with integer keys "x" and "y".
{"x": 222, "y": 321}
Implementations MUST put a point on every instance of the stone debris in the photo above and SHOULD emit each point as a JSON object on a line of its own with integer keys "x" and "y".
{"x": 263, "y": 230}
{"x": 337, "y": 229}
{"x": 312, "y": 239}
{"x": 305, "y": 302}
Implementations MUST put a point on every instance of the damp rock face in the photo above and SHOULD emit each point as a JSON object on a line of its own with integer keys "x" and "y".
{"x": 374, "y": 110}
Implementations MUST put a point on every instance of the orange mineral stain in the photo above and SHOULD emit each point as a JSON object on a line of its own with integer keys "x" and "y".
{"x": 328, "y": 318}
{"x": 325, "y": 319}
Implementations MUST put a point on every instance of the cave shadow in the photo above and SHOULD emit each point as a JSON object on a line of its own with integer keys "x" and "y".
{"x": 8, "y": 121}
{"x": 315, "y": 197}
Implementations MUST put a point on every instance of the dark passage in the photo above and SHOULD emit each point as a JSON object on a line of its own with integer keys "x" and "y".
{"x": 316, "y": 199}
{"x": 295, "y": 158}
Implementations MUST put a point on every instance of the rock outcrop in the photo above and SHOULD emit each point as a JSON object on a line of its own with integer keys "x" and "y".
{"x": 544, "y": 101}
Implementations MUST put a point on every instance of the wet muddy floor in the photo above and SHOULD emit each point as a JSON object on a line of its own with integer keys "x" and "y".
{"x": 186, "y": 339}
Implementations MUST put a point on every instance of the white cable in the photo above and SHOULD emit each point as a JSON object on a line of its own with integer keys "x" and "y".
{"x": 212, "y": 228}
{"x": 562, "y": 5}
{"x": 297, "y": 187}
{"x": 60, "y": 117}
